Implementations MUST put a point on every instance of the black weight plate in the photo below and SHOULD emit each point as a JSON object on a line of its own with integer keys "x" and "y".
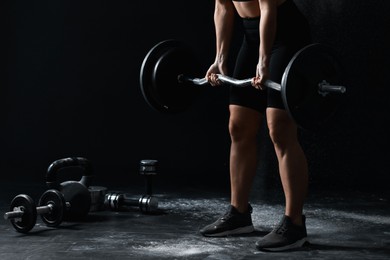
{"x": 25, "y": 223}
{"x": 300, "y": 83}
{"x": 55, "y": 216}
{"x": 158, "y": 77}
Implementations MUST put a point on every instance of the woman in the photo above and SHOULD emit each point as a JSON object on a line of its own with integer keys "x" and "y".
{"x": 274, "y": 30}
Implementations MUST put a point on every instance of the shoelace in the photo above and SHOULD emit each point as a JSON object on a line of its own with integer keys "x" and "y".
{"x": 229, "y": 214}
{"x": 226, "y": 216}
{"x": 280, "y": 229}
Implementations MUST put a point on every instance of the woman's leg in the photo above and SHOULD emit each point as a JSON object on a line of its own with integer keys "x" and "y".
{"x": 244, "y": 125}
{"x": 292, "y": 162}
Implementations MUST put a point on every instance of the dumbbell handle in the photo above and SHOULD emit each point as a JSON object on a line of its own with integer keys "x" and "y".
{"x": 14, "y": 214}
{"x": 323, "y": 87}
{"x": 18, "y": 212}
{"x": 122, "y": 199}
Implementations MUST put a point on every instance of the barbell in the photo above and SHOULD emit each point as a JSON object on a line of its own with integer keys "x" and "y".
{"x": 311, "y": 87}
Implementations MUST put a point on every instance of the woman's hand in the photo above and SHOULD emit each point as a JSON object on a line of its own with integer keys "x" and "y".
{"x": 211, "y": 74}
{"x": 262, "y": 74}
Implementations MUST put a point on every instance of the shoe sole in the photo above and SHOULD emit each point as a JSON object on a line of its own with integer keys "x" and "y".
{"x": 237, "y": 231}
{"x": 297, "y": 244}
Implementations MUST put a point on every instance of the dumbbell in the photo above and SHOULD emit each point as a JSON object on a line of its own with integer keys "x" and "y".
{"x": 148, "y": 169}
{"x": 118, "y": 201}
{"x": 23, "y": 214}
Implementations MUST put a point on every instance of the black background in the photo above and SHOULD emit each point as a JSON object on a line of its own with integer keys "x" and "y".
{"x": 70, "y": 87}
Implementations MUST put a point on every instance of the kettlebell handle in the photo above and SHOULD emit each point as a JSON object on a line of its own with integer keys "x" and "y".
{"x": 51, "y": 175}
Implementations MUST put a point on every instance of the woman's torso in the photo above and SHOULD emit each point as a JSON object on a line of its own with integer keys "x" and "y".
{"x": 249, "y": 9}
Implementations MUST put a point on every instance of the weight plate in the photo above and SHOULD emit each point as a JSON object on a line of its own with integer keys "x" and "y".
{"x": 159, "y": 77}
{"x": 25, "y": 203}
{"x": 300, "y": 85}
{"x": 54, "y": 217}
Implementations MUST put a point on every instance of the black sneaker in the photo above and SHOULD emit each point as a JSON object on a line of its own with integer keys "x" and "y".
{"x": 232, "y": 223}
{"x": 283, "y": 237}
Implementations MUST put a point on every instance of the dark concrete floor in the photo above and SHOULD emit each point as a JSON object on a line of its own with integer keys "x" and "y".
{"x": 341, "y": 225}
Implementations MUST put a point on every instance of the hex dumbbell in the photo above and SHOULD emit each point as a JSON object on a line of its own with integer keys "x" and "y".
{"x": 118, "y": 201}
{"x": 148, "y": 169}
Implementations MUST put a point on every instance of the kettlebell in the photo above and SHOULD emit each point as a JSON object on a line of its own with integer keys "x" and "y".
{"x": 76, "y": 193}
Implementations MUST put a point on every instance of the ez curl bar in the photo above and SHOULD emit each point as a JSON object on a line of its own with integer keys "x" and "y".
{"x": 310, "y": 86}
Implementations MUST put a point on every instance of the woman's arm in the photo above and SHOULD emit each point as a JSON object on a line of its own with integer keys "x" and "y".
{"x": 268, "y": 9}
{"x": 223, "y": 21}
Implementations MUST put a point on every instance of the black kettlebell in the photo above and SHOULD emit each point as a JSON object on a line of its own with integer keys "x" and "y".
{"x": 76, "y": 193}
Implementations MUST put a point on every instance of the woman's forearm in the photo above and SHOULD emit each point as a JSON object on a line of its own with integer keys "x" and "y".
{"x": 267, "y": 29}
{"x": 223, "y": 21}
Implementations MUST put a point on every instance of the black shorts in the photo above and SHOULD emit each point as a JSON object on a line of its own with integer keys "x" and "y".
{"x": 293, "y": 33}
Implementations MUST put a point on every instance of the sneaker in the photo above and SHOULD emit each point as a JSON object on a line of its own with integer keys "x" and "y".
{"x": 283, "y": 237}
{"x": 232, "y": 223}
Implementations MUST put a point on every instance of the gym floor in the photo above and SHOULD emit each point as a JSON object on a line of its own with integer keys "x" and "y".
{"x": 341, "y": 225}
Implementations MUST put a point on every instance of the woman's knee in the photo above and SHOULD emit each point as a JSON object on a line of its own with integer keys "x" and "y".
{"x": 237, "y": 130}
{"x": 282, "y": 129}
{"x": 278, "y": 135}
{"x": 243, "y": 124}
